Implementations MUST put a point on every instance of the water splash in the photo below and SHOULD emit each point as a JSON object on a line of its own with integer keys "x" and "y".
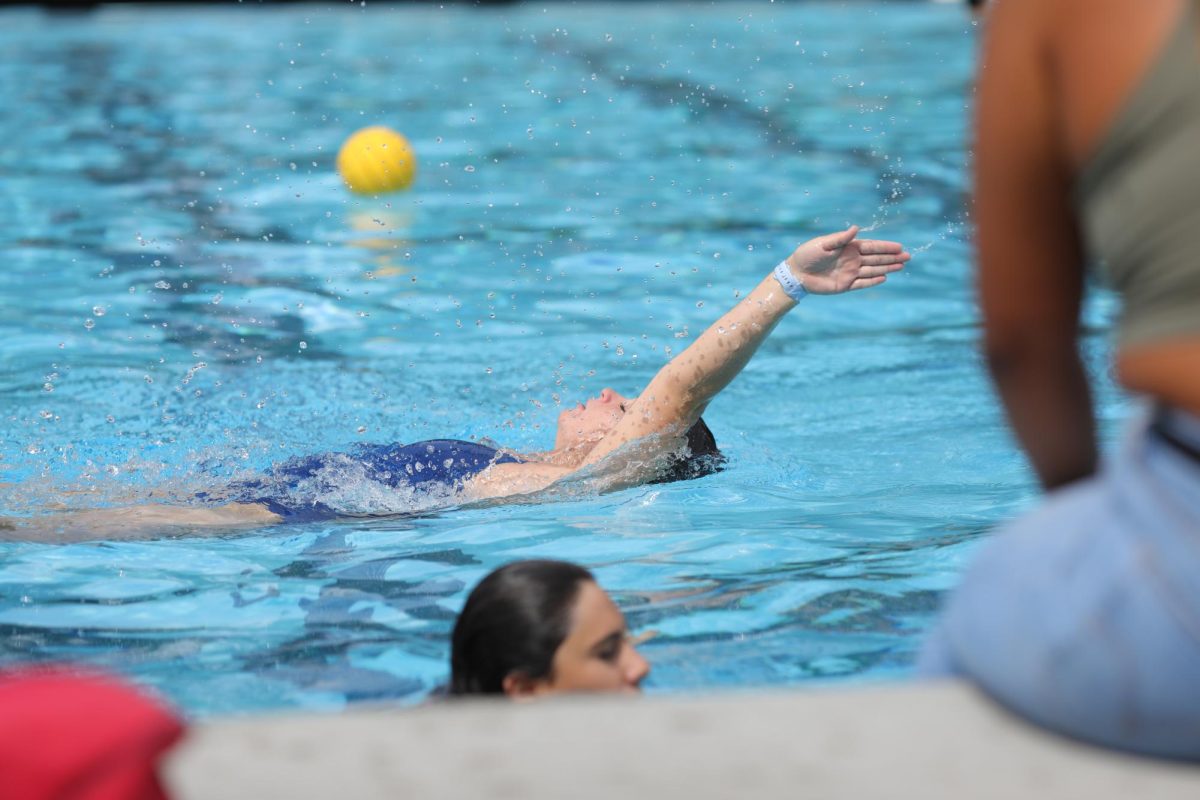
{"x": 952, "y": 229}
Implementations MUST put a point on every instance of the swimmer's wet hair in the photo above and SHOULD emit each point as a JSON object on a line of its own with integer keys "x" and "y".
{"x": 703, "y": 457}
{"x": 512, "y": 623}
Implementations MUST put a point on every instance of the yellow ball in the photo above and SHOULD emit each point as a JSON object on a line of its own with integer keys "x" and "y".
{"x": 377, "y": 160}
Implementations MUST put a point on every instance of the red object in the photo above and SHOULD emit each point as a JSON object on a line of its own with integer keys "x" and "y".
{"x": 68, "y": 735}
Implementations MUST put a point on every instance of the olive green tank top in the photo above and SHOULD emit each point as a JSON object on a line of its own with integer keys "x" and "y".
{"x": 1139, "y": 196}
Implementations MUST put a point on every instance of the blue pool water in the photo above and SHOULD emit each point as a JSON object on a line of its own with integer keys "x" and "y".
{"x": 188, "y": 293}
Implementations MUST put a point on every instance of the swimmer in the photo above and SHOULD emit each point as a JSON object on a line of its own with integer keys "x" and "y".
{"x": 537, "y": 628}
{"x": 612, "y": 440}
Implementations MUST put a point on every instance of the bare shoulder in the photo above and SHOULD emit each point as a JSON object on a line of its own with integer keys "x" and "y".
{"x": 505, "y": 480}
{"x": 1099, "y": 52}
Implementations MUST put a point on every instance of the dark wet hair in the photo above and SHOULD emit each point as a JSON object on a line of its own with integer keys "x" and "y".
{"x": 702, "y": 458}
{"x": 513, "y": 622}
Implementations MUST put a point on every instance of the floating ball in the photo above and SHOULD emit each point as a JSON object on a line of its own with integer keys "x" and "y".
{"x": 377, "y": 160}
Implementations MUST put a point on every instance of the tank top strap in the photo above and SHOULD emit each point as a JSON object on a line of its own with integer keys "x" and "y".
{"x": 1176, "y": 64}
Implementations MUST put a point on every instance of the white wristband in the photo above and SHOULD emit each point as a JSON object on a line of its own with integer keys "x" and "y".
{"x": 792, "y": 286}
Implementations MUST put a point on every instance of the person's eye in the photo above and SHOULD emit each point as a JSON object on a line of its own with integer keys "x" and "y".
{"x": 609, "y": 652}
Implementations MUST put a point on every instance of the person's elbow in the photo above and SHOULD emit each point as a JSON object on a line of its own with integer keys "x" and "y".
{"x": 1013, "y": 346}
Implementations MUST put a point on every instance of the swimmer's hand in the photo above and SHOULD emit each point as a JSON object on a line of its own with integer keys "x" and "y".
{"x": 839, "y": 262}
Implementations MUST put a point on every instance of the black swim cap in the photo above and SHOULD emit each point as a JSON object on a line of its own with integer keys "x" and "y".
{"x": 703, "y": 457}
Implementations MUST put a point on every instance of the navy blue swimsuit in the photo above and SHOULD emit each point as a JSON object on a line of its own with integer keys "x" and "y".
{"x": 434, "y": 465}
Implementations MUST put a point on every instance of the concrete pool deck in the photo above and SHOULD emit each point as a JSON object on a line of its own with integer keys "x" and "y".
{"x": 930, "y": 741}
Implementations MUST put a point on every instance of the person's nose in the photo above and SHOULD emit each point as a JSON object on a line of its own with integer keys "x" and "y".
{"x": 636, "y": 667}
{"x": 612, "y": 397}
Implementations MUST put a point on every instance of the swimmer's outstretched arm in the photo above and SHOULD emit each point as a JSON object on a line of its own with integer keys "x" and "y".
{"x": 678, "y": 394}
{"x": 135, "y": 522}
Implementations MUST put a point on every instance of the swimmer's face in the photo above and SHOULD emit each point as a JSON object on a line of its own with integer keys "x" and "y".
{"x": 587, "y": 423}
{"x": 597, "y": 655}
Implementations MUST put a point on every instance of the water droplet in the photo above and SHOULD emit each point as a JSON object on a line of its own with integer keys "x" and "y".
{"x": 304, "y": 345}
{"x": 98, "y": 311}
{"x": 89, "y": 323}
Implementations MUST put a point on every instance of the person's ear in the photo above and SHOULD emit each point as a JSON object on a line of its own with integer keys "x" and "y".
{"x": 519, "y": 686}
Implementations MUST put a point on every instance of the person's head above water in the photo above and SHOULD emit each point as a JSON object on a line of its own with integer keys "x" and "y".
{"x": 537, "y": 627}
{"x": 581, "y": 427}
{"x": 587, "y": 423}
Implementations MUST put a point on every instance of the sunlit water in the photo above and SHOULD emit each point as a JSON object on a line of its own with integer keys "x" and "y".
{"x": 189, "y": 294}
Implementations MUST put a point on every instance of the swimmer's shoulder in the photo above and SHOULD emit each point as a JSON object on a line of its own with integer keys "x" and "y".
{"x": 513, "y": 478}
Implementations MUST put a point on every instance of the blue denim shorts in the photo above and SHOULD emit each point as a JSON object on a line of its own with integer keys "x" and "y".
{"x": 1084, "y": 615}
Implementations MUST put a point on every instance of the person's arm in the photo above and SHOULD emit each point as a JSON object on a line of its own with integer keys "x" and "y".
{"x": 1031, "y": 266}
{"x": 677, "y": 395}
{"x": 509, "y": 479}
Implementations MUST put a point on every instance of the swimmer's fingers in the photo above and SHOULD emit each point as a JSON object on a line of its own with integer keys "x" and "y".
{"x": 866, "y": 283}
{"x": 883, "y": 259}
{"x": 880, "y": 269}
{"x": 836, "y": 241}
{"x": 876, "y": 246}
{"x": 870, "y": 276}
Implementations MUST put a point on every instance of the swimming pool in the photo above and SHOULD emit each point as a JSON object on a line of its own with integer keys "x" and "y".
{"x": 190, "y": 293}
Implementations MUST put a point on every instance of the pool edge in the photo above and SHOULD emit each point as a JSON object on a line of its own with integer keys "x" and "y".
{"x": 927, "y": 740}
